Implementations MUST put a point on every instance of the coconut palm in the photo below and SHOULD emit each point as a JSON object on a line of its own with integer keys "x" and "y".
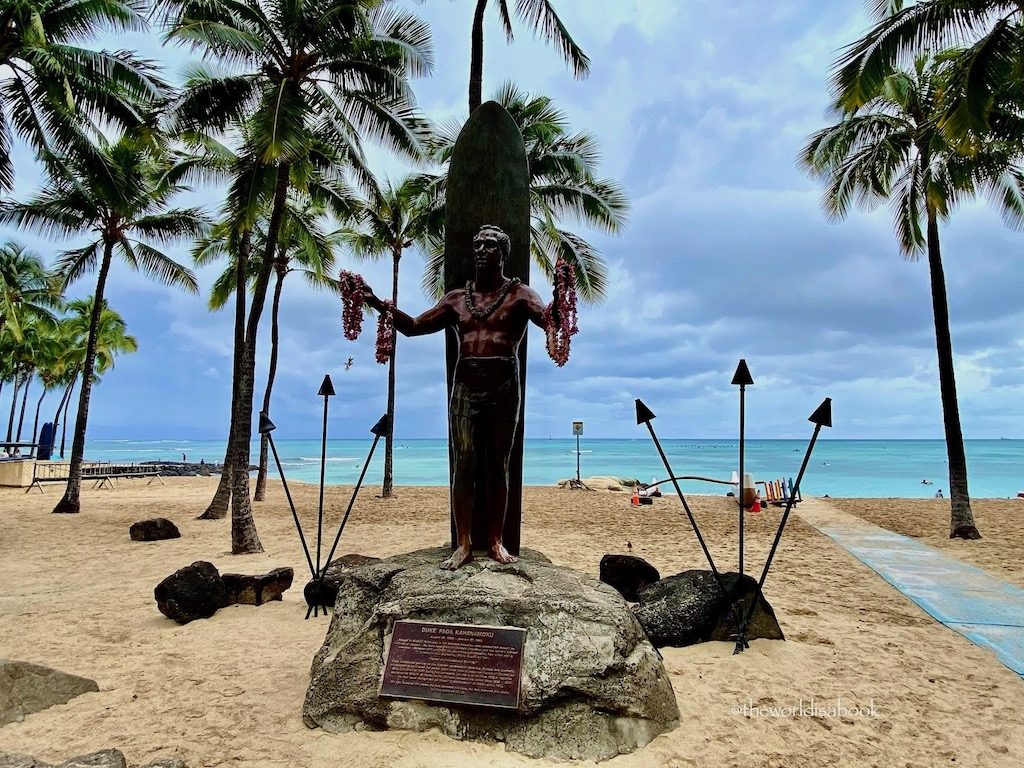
{"x": 60, "y": 358}
{"x": 303, "y": 73}
{"x": 25, "y": 287}
{"x": 21, "y": 353}
{"x": 243, "y": 231}
{"x": 303, "y": 247}
{"x": 892, "y": 150}
{"x": 986, "y": 69}
{"x": 563, "y": 185}
{"x": 540, "y": 17}
{"x": 49, "y": 86}
{"x": 121, "y": 194}
{"x": 393, "y": 219}
{"x": 32, "y": 348}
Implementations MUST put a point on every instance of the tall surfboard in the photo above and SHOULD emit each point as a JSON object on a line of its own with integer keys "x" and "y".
{"x": 489, "y": 183}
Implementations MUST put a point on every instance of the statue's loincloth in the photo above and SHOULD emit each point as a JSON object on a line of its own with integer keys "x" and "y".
{"x": 486, "y": 388}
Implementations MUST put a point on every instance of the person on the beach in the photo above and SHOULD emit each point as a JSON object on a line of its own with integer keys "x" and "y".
{"x": 490, "y": 316}
{"x": 938, "y": 494}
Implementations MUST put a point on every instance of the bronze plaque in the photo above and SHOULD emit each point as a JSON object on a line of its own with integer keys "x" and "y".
{"x": 455, "y": 663}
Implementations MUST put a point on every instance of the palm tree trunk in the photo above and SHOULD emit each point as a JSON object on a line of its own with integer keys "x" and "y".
{"x": 388, "y": 490}
{"x": 261, "y": 475}
{"x": 961, "y": 520}
{"x": 24, "y": 400}
{"x": 244, "y": 539}
{"x": 67, "y": 406}
{"x": 63, "y": 400}
{"x": 35, "y": 424}
{"x": 476, "y": 57}
{"x": 14, "y": 407}
{"x": 218, "y": 508}
{"x": 71, "y": 502}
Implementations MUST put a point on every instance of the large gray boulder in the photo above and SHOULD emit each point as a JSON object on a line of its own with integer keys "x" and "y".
{"x": 27, "y": 688}
{"x": 592, "y": 685}
{"x": 106, "y": 758}
{"x": 691, "y": 608}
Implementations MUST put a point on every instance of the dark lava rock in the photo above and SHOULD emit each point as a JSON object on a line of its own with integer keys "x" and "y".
{"x": 256, "y": 590}
{"x": 690, "y": 608}
{"x": 627, "y": 574}
{"x": 157, "y": 529}
{"x": 326, "y": 592}
{"x": 193, "y": 592}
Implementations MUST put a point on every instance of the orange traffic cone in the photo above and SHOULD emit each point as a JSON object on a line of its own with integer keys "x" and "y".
{"x": 635, "y": 501}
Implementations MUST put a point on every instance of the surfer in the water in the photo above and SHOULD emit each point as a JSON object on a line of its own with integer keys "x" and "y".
{"x": 490, "y": 316}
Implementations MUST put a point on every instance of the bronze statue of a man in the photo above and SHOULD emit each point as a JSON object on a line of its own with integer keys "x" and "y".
{"x": 490, "y": 316}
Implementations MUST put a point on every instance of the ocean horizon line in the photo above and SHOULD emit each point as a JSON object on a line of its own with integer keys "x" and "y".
{"x": 848, "y": 467}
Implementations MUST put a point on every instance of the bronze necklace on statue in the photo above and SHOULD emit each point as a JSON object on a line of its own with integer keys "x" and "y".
{"x": 483, "y": 314}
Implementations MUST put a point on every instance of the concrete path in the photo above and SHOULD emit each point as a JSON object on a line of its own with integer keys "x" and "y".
{"x": 987, "y": 611}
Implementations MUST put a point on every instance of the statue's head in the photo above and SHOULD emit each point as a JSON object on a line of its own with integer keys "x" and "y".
{"x": 487, "y": 238}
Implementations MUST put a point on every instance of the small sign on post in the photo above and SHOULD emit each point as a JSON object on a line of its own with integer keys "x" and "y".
{"x": 577, "y": 429}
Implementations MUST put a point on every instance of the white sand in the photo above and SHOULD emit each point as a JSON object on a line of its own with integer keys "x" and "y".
{"x": 77, "y": 594}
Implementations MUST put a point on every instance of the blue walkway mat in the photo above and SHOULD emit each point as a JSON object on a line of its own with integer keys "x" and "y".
{"x": 987, "y": 611}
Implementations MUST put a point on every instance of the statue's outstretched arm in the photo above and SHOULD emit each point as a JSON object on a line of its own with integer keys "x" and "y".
{"x": 435, "y": 319}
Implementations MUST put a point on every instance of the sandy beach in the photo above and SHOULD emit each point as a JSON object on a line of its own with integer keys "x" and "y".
{"x": 77, "y": 594}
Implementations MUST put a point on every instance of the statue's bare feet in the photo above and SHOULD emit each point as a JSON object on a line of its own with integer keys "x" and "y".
{"x": 459, "y": 558}
{"x": 500, "y": 554}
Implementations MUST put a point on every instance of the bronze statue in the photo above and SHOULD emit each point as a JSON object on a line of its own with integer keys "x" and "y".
{"x": 490, "y": 316}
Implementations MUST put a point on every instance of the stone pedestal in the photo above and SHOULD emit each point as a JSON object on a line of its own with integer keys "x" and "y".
{"x": 592, "y": 685}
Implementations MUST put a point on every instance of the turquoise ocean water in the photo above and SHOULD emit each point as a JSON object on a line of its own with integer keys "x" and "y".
{"x": 851, "y": 468}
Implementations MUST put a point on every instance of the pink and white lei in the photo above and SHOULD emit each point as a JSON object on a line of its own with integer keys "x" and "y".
{"x": 353, "y": 295}
{"x": 560, "y": 314}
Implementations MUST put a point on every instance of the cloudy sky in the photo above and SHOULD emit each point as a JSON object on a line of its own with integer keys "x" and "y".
{"x": 701, "y": 108}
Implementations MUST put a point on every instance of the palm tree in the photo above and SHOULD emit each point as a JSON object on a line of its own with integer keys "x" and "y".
{"x": 25, "y": 287}
{"x": 36, "y": 337}
{"x": 540, "y": 16}
{"x": 61, "y": 356}
{"x": 49, "y": 85}
{"x": 307, "y": 74}
{"x": 121, "y": 193}
{"x": 985, "y": 70}
{"x": 303, "y": 247}
{"x": 394, "y": 219}
{"x": 563, "y": 184}
{"x": 892, "y": 149}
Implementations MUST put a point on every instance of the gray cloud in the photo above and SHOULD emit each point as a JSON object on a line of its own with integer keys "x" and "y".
{"x": 701, "y": 108}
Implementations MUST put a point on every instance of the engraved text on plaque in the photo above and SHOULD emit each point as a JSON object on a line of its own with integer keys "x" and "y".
{"x": 455, "y": 663}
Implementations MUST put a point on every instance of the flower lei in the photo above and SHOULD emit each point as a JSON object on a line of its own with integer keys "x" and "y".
{"x": 353, "y": 295}
{"x": 560, "y": 314}
{"x": 385, "y": 334}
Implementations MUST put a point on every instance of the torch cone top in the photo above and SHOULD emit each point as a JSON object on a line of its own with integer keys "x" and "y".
{"x": 327, "y": 387}
{"x": 643, "y": 413}
{"x": 380, "y": 429}
{"x": 266, "y": 425}
{"x": 742, "y": 376}
{"x": 823, "y": 415}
